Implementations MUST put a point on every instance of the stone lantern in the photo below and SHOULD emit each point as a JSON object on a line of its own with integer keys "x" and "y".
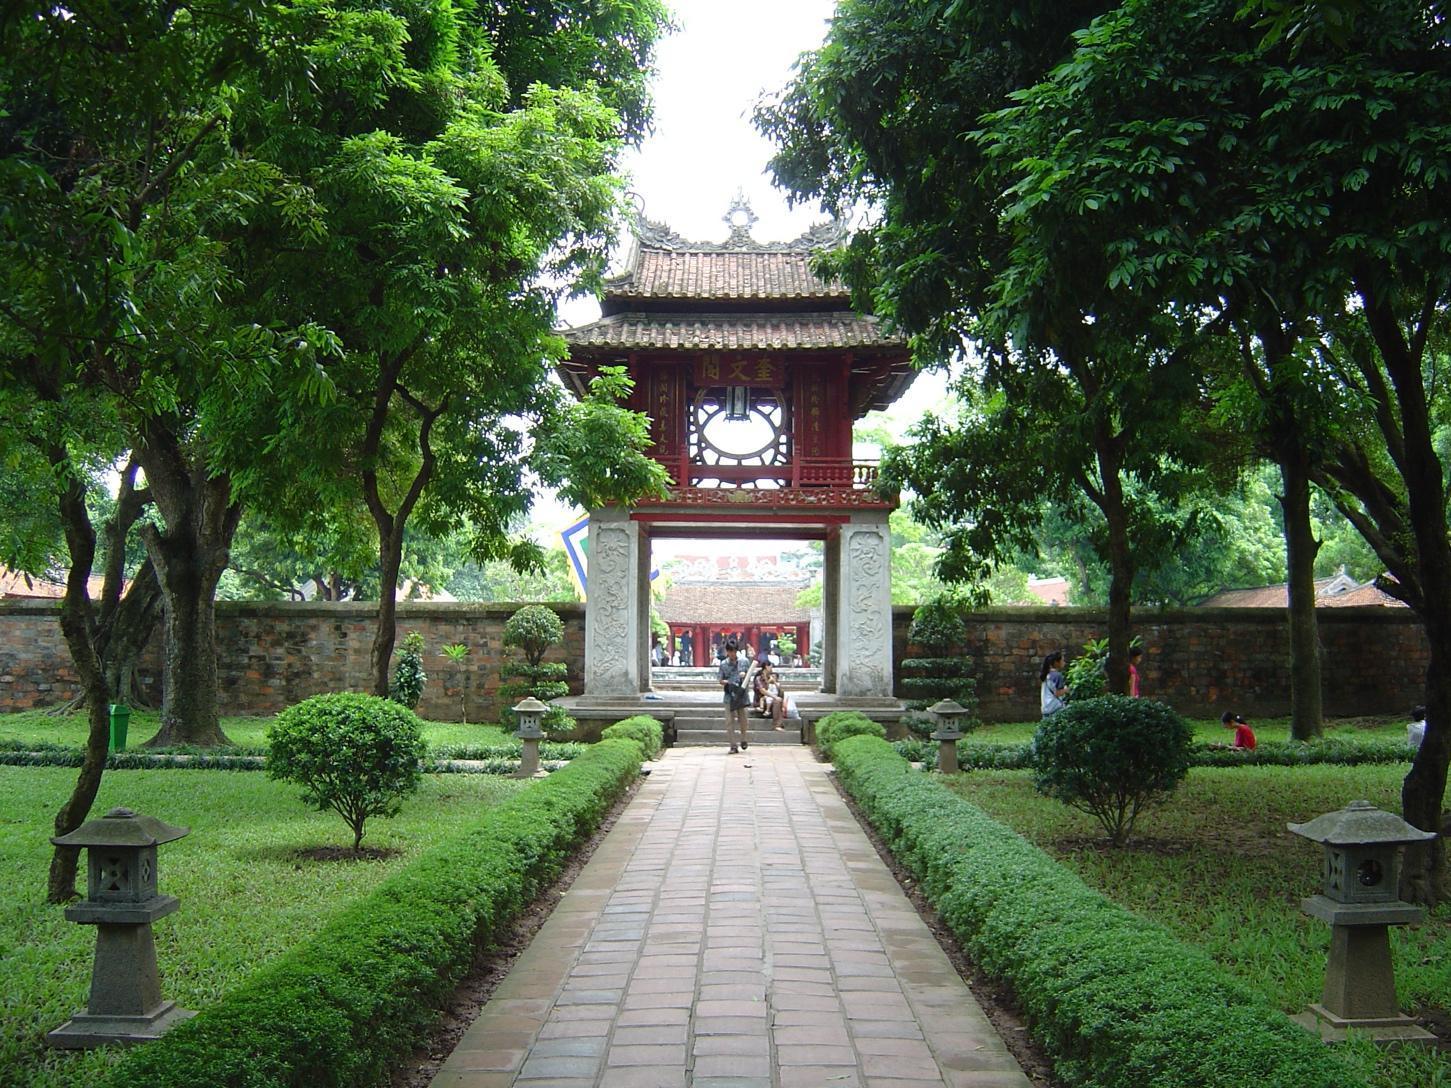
{"x": 949, "y": 714}
{"x": 531, "y": 712}
{"x": 121, "y": 902}
{"x": 1359, "y": 898}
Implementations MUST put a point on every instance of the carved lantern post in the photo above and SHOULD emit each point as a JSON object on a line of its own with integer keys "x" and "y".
{"x": 949, "y": 714}
{"x": 531, "y": 712}
{"x": 1359, "y": 898}
{"x": 121, "y": 902}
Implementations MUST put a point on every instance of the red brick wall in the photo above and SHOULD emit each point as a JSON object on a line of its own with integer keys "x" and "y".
{"x": 1201, "y": 660}
{"x": 271, "y": 655}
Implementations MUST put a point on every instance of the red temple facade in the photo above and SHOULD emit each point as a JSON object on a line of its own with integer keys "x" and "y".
{"x": 752, "y": 370}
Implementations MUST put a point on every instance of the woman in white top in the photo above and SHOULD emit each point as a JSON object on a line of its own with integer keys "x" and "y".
{"x": 1054, "y": 690}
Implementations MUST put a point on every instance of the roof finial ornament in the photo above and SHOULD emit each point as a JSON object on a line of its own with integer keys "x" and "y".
{"x": 740, "y": 218}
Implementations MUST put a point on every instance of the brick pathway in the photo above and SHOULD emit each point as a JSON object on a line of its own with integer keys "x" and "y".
{"x": 735, "y": 929}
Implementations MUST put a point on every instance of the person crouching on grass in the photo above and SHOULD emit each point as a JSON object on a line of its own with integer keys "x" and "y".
{"x": 1244, "y": 736}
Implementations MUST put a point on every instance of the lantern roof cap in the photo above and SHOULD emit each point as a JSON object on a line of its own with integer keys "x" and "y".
{"x": 947, "y": 706}
{"x": 1360, "y": 824}
{"x": 530, "y": 705}
{"x": 121, "y": 827}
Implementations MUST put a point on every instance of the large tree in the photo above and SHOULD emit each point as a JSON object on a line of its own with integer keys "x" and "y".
{"x": 1295, "y": 189}
{"x": 464, "y": 190}
{"x": 884, "y": 113}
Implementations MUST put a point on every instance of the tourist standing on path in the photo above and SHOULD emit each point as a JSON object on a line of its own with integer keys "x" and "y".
{"x": 732, "y": 674}
{"x": 1136, "y": 658}
{"x": 1054, "y": 689}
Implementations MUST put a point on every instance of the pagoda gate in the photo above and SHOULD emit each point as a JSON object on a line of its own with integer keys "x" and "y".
{"x": 752, "y": 370}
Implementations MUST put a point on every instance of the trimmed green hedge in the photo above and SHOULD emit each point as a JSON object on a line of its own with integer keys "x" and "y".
{"x": 1115, "y": 1000}
{"x": 833, "y": 728}
{"x": 338, "y": 1009}
{"x": 644, "y": 730}
{"x": 979, "y": 756}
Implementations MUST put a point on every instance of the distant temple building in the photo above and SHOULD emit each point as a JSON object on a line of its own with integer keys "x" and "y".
{"x": 750, "y": 597}
{"x": 752, "y": 370}
{"x": 1341, "y": 591}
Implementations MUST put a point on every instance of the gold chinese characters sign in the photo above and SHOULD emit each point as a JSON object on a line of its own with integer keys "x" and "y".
{"x": 715, "y": 369}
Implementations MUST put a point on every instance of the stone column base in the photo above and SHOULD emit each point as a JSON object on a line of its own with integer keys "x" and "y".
{"x": 1386, "y": 1029}
{"x": 83, "y": 1031}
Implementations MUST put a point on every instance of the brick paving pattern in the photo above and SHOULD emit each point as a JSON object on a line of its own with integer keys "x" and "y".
{"x": 735, "y": 929}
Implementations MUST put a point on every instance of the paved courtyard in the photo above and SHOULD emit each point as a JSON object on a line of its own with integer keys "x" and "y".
{"x": 735, "y": 929}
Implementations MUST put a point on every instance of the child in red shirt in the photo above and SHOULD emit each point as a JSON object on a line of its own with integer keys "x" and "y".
{"x": 1244, "y": 736}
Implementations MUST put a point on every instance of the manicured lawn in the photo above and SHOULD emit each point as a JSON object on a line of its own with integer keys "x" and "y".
{"x": 1218, "y": 867}
{"x": 245, "y": 892}
{"x": 70, "y": 730}
{"x": 1209, "y": 731}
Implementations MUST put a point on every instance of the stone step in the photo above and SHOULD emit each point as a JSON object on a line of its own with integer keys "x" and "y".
{"x": 696, "y": 738}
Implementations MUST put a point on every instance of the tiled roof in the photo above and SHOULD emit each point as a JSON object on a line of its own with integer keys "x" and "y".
{"x": 14, "y": 584}
{"x": 1278, "y": 596}
{"x": 732, "y": 602}
{"x": 738, "y": 274}
{"x": 733, "y": 332}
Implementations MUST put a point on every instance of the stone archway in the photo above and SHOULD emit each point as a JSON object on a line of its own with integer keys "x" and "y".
{"x": 856, "y": 641}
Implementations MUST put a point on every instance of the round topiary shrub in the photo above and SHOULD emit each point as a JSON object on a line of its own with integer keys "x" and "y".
{"x": 533, "y": 629}
{"x": 1112, "y": 757}
{"x": 938, "y": 626}
{"x": 355, "y": 754}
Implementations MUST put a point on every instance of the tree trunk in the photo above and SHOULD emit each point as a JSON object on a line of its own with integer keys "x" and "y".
{"x": 124, "y": 634}
{"x": 390, "y": 559}
{"x": 76, "y": 626}
{"x": 1110, "y": 500}
{"x": 1424, "y": 789}
{"x": 1423, "y": 876}
{"x": 1120, "y": 598}
{"x": 1306, "y": 708}
{"x": 189, "y": 556}
{"x": 189, "y": 656}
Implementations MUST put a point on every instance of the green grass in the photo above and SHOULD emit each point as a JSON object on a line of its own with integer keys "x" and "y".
{"x": 1218, "y": 867}
{"x": 1206, "y": 730}
{"x": 245, "y": 893}
{"x": 245, "y": 732}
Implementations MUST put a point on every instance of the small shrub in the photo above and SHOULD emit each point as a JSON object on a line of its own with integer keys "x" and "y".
{"x": 937, "y": 625}
{"x": 644, "y": 730}
{"x": 1111, "y": 757}
{"x": 355, "y": 754}
{"x": 533, "y": 629}
{"x": 1085, "y": 675}
{"x": 836, "y": 727}
{"x": 408, "y": 674}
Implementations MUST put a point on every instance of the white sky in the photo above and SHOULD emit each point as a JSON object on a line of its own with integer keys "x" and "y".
{"x": 704, "y": 148}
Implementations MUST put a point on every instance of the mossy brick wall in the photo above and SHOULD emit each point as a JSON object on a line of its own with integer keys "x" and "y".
{"x": 1202, "y": 660}
{"x": 271, "y": 655}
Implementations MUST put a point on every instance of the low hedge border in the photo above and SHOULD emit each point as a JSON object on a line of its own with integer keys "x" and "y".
{"x": 497, "y": 759}
{"x": 1114, "y": 999}
{"x": 641, "y": 728}
{"x": 980, "y": 756}
{"x": 339, "y": 1008}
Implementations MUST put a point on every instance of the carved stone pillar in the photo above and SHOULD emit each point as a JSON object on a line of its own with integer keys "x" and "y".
{"x": 864, "y": 607}
{"x": 830, "y": 611}
{"x": 614, "y": 661}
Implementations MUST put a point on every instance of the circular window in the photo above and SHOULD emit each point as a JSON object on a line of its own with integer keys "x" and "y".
{"x": 739, "y": 426}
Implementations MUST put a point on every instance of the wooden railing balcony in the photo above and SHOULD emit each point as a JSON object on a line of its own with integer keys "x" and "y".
{"x": 842, "y": 473}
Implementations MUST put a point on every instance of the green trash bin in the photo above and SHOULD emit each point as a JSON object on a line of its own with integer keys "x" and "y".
{"x": 120, "y": 719}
